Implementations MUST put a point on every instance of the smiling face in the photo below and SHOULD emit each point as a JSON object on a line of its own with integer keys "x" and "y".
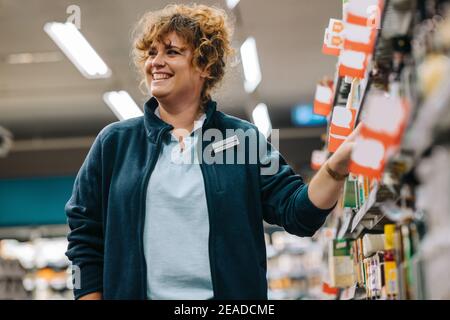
{"x": 170, "y": 75}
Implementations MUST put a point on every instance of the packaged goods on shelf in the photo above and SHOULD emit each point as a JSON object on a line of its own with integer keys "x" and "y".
{"x": 394, "y": 216}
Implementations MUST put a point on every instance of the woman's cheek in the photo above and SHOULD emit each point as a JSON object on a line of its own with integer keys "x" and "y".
{"x": 147, "y": 66}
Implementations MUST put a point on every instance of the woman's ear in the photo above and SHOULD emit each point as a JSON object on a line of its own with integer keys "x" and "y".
{"x": 204, "y": 74}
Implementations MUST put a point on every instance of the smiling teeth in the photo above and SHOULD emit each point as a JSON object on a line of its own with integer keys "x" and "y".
{"x": 160, "y": 76}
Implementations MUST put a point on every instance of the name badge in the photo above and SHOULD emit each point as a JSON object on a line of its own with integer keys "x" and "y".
{"x": 225, "y": 144}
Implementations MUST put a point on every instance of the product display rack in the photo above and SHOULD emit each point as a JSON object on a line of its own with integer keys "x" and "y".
{"x": 406, "y": 205}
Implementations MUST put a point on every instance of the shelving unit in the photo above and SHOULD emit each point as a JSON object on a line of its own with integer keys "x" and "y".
{"x": 370, "y": 217}
{"x": 408, "y": 199}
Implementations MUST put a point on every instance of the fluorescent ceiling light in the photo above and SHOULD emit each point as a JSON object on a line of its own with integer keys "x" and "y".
{"x": 261, "y": 119}
{"x": 250, "y": 62}
{"x": 77, "y": 49}
{"x": 232, "y": 3}
{"x": 36, "y": 57}
{"x": 122, "y": 105}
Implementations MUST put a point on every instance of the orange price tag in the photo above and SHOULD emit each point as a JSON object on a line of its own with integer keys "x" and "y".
{"x": 359, "y": 38}
{"x": 323, "y": 100}
{"x": 364, "y": 12}
{"x": 352, "y": 64}
{"x": 342, "y": 121}
{"x": 336, "y": 26}
{"x": 385, "y": 118}
{"x": 368, "y": 158}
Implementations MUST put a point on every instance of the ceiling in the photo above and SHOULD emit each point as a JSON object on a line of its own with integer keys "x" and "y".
{"x": 53, "y": 100}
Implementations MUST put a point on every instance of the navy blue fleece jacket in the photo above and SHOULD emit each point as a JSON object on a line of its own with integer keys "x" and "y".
{"x": 107, "y": 209}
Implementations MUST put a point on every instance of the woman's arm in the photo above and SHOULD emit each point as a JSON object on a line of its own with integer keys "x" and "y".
{"x": 324, "y": 189}
{"x": 84, "y": 215}
{"x": 300, "y": 208}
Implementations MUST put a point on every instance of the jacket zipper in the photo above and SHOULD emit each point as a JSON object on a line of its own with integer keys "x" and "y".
{"x": 148, "y": 173}
{"x": 211, "y": 226}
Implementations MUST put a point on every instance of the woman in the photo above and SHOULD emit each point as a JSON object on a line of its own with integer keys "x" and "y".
{"x": 145, "y": 225}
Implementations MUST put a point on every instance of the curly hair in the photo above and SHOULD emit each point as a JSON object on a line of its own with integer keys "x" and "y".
{"x": 207, "y": 30}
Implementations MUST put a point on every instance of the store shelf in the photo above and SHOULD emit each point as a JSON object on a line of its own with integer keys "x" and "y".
{"x": 411, "y": 63}
{"x": 360, "y": 294}
{"x": 369, "y": 217}
{"x": 346, "y": 222}
{"x": 364, "y": 213}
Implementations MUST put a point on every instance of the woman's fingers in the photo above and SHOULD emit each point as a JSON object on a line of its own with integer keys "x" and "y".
{"x": 355, "y": 133}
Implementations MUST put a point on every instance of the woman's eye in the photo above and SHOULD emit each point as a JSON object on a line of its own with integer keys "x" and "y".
{"x": 172, "y": 52}
{"x": 152, "y": 53}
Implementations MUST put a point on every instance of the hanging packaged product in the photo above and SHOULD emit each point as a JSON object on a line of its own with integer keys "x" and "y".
{"x": 341, "y": 126}
{"x": 341, "y": 263}
{"x": 318, "y": 158}
{"x": 368, "y": 157}
{"x": 335, "y": 141}
{"x": 332, "y": 44}
{"x": 323, "y": 100}
{"x": 369, "y": 153}
{"x": 386, "y": 117}
{"x": 353, "y": 63}
{"x": 333, "y": 39}
{"x": 359, "y": 38}
{"x": 336, "y": 26}
{"x": 364, "y": 12}
{"x": 342, "y": 121}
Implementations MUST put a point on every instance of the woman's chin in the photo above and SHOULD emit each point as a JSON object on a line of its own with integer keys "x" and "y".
{"x": 158, "y": 93}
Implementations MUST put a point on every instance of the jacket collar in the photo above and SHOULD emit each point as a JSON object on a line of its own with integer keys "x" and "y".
{"x": 153, "y": 124}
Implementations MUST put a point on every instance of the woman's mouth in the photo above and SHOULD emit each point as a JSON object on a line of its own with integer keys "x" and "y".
{"x": 159, "y": 77}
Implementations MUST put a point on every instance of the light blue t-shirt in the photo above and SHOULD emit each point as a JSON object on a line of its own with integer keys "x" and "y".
{"x": 176, "y": 231}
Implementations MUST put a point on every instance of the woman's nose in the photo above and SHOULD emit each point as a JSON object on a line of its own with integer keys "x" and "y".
{"x": 158, "y": 61}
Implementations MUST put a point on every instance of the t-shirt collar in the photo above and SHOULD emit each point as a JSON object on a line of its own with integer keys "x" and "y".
{"x": 198, "y": 124}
